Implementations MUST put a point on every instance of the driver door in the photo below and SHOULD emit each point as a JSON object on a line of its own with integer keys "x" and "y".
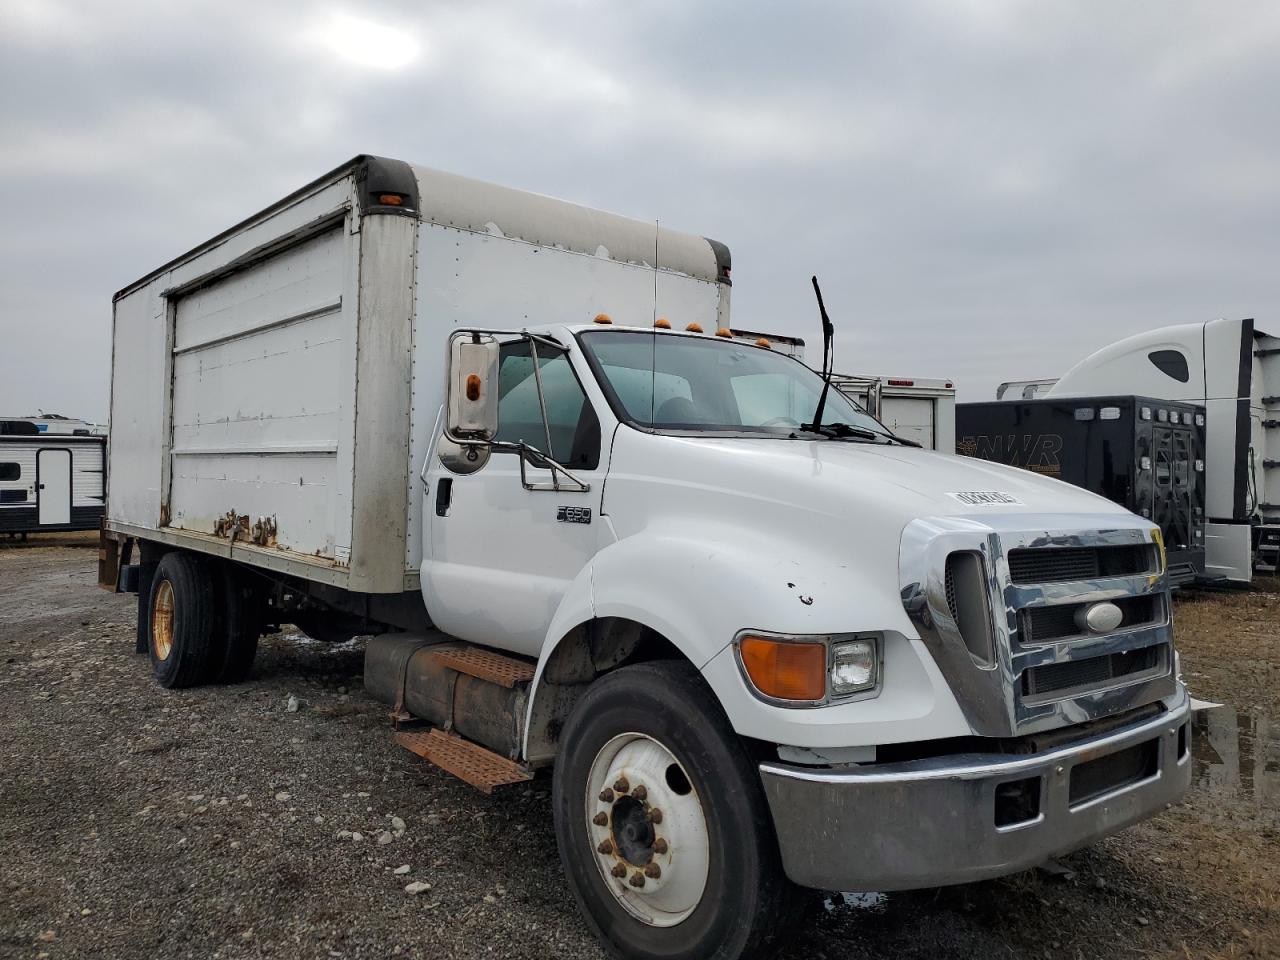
{"x": 502, "y": 556}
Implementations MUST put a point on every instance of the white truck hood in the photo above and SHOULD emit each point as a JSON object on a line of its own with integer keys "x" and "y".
{"x": 848, "y": 479}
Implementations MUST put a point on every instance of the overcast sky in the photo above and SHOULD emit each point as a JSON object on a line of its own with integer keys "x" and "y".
{"x": 988, "y": 190}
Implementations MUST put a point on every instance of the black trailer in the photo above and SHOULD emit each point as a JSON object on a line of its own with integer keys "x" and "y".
{"x": 1146, "y": 455}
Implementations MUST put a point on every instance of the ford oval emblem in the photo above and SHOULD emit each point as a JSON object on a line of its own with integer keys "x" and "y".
{"x": 1099, "y": 617}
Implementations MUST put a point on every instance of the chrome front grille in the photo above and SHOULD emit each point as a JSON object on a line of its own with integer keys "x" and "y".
{"x": 1058, "y": 564}
{"x": 1032, "y": 577}
{"x": 1058, "y": 622}
{"x": 1057, "y": 680}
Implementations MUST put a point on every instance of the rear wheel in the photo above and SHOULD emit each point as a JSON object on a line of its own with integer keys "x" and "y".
{"x": 240, "y": 603}
{"x": 663, "y": 828}
{"x": 181, "y": 620}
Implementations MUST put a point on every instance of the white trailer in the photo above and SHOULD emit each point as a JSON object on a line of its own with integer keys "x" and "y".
{"x": 49, "y": 482}
{"x": 590, "y": 537}
{"x": 918, "y": 409}
{"x": 1232, "y": 369}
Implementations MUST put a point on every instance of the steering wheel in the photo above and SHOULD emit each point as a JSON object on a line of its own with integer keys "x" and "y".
{"x": 780, "y": 421}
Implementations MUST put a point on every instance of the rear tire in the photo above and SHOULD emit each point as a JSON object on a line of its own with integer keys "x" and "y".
{"x": 182, "y": 620}
{"x": 240, "y": 602}
{"x": 716, "y": 807}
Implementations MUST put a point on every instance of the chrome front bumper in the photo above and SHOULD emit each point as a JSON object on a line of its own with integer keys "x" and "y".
{"x": 925, "y": 823}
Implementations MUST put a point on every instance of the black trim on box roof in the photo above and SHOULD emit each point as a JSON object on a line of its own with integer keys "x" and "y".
{"x": 386, "y": 176}
{"x": 378, "y": 177}
{"x": 724, "y": 262}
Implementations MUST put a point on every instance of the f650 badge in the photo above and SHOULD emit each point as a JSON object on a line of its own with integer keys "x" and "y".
{"x": 573, "y": 514}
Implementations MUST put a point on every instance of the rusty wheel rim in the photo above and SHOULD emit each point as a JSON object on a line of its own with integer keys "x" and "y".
{"x": 647, "y": 829}
{"x": 162, "y": 620}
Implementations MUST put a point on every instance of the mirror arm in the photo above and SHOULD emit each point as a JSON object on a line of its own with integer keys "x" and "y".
{"x": 535, "y": 457}
{"x": 542, "y": 405}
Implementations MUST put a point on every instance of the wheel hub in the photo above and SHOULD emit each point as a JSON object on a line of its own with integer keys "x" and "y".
{"x": 162, "y": 619}
{"x": 648, "y": 829}
{"x": 633, "y": 833}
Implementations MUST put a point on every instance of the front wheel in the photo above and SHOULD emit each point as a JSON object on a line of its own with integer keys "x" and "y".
{"x": 662, "y": 825}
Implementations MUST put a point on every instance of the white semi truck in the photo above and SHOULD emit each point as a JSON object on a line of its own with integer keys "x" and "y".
{"x": 1231, "y": 368}
{"x": 757, "y": 651}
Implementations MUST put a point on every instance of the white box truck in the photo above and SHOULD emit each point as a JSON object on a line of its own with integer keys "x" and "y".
{"x": 919, "y": 409}
{"x": 756, "y": 650}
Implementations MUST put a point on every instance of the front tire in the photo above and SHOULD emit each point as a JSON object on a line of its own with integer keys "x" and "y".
{"x": 181, "y": 620}
{"x": 663, "y": 828}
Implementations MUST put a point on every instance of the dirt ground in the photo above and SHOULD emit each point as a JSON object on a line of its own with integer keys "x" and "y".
{"x": 139, "y": 822}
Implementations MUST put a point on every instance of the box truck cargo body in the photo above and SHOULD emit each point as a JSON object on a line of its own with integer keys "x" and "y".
{"x": 500, "y": 433}
{"x": 916, "y": 408}
{"x": 273, "y": 387}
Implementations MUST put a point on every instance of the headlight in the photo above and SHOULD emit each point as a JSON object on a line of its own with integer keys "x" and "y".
{"x": 808, "y": 671}
{"x": 854, "y": 667}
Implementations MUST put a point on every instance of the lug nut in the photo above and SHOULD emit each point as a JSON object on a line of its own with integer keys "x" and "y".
{"x": 619, "y": 870}
{"x": 606, "y": 795}
{"x": 660, "y": 845}
{"x": 601, "y": 819}
{"x": 621, "y": 785}
{"x": 655, "y": 815}
{"x": 606, "y": 847}
{"x": 640, "y": 793}
{"x": 652, "y": 871}
{"x": 637, "y": 879}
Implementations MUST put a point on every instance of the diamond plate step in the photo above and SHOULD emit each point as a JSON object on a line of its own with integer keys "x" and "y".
{"x": 486, "y": 665}
{"x": 467, "y": 761}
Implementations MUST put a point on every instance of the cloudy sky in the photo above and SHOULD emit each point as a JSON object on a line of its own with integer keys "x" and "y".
{"x": 988, "y": 189}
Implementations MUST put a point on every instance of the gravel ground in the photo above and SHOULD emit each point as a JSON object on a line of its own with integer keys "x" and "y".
{"x": 139, "y": 822}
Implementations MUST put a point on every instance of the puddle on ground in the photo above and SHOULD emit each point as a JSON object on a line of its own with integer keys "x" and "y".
{"x": 1237, "y": 755}
{"x": 839, "y": 902}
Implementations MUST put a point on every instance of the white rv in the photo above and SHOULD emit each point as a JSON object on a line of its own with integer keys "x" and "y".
{"x": 1232, "y": 369}
{"x": 49, "y": 482}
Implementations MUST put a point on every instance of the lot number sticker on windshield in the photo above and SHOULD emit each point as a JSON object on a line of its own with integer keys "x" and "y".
{"x": 985, "y": 498}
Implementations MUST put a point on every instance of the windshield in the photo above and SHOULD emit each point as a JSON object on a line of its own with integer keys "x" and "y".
{"x": 690, "y": 383}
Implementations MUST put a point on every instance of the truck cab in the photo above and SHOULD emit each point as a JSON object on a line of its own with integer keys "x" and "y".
{"x": 874, "y": 627}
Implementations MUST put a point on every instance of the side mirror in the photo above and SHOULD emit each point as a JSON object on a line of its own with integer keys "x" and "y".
{"x": 471, "y": 413}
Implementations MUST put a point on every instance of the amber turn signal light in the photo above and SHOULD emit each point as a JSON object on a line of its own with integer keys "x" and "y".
{"x": 473, "y": 387}
{"x": 784, "y": 669}
{"x": 390, "y": 199}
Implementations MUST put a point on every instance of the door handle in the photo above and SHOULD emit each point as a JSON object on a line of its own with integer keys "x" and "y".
{"x": 444, "y": 496}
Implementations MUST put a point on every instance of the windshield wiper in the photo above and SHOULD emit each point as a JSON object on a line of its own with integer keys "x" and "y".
{"x": 828, "y": 339}
{"x": 843, "y": 431}
{"x": 846, "y": 431}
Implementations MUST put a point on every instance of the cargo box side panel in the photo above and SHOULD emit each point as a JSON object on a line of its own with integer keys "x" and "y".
{"x": 458, "y": 286}
{"x": 138, "y": 395}
{"x": 262, "y": 396}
